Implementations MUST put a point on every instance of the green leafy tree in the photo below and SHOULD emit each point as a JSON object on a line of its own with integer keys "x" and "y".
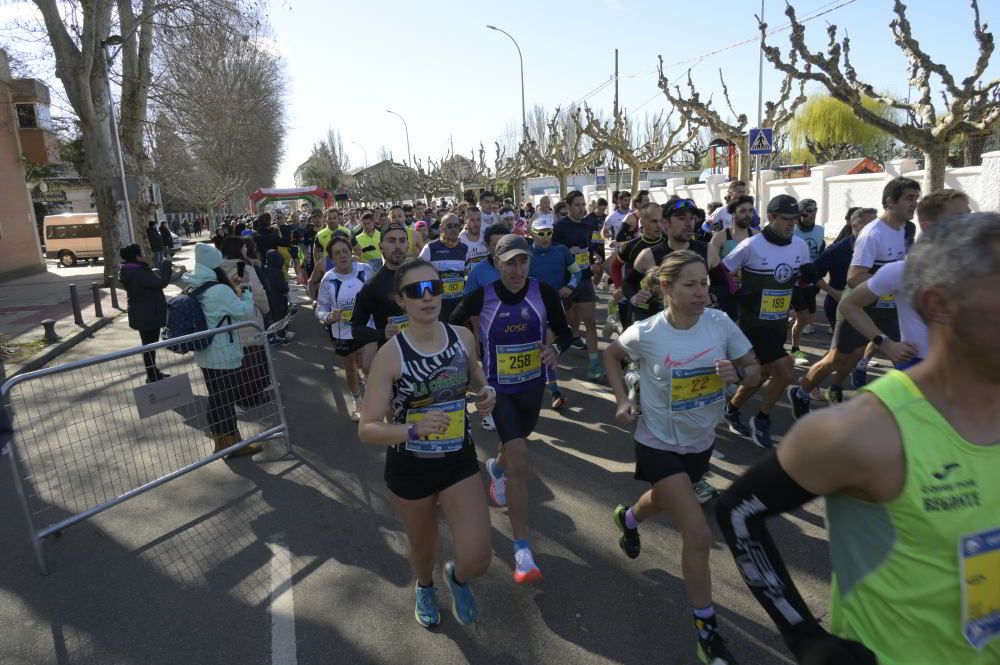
{"x": 826, "y": 129}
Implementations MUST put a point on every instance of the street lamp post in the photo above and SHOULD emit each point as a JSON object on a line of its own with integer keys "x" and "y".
{"x": 363, "y": 151}
{"x": 116, "y": 40}
{"x": 409, "y": 154}
{"x": 524, "y": 115}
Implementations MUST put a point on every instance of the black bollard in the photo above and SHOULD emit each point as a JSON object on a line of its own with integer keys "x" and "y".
{"x": 74, "y": 299}
{"x": 114, "y": 295}
{"x": 50, "y": 330}
{"x": 98, "y": 307}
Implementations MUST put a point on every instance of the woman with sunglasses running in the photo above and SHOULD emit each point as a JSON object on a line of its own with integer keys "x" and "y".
{"x": 337, "y": 294}
{"x": 686, "y": 355}
{"x": 420, "y": 377}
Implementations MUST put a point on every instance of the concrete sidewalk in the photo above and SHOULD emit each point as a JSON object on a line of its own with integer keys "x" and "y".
{"x": 27, "y": 301}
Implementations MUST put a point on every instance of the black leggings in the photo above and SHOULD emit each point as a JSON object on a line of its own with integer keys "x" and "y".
{"x": 149, "y": 357}
{"x": 223, "y": 390}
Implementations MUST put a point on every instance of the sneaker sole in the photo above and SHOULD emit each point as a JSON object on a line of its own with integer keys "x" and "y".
{"x": 792, "y": 400}
{"x": 745, "y": 435}
{"x": 416, "y": 616}
{"x": 533, "y": 576}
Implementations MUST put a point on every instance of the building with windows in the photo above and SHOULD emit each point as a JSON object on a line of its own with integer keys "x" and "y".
{"x": 25, "y": 136}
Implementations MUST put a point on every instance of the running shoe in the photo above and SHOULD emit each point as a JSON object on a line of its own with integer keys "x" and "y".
{"x": 808, "y": 329}
{"x": 834, "y": 394}
{"x": 463, "y": 603}
{"x": 799, "y": 357}
{"x": 578, "y": 343}
{"x": 714, "y": 651}
{"x": 558, "y": 401}
{"x": 355, "y": 414}
{"x": 289, "y": 336}
{"x": 426, "y": 610}
{"x": 498, "y": 486}
{"x": 800, "y": 407}
{"x": 817, "y": 394}
{"x": 760, "y": 432}
{"x": 704, "y": 491}
{"x": 608, "y": 328}
{"x": 629, "y": 542}
{"x": 488, "y": 424}
{"x": 736, "y": 426}
{"x": 595, "y": 371}
{"x": 859, "y": 377}
{"x": 526, "y": 572}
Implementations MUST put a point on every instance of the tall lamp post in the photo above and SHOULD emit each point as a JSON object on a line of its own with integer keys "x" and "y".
{"x": 409, "y": 154}
{"x": 362, "y": 150}
{"x": 116, "y": 40}
{"x": 524, "y": 115}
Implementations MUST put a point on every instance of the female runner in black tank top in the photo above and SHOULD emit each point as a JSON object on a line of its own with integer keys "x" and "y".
{"x": 420, "y": 377}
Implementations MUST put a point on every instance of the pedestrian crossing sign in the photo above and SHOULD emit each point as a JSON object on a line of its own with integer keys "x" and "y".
{"x": 760, "y": 141}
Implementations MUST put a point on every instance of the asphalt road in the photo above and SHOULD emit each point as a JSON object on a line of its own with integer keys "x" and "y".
{"x": 300, "y": 560}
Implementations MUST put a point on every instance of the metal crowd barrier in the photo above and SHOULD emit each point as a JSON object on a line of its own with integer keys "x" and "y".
{"x": 94, "y": 433}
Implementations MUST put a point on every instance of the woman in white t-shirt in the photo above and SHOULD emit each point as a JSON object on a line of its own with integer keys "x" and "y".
{"x": 686, "y": 355}
{"x": 336, "y": 295}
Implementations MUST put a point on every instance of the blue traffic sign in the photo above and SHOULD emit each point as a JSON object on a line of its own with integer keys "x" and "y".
{"x": 760, "y": 141}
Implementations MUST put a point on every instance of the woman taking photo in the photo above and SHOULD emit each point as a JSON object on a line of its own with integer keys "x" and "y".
{"x": 147, "y": 306}
{"x": 686, "y": 354}
{"x": 430, "y": 458}
{"x": 223, "y": 302}
{"x": 338, "y": 290}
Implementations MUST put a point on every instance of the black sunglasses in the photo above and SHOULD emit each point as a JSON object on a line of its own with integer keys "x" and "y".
{"x": 417, "y": 290}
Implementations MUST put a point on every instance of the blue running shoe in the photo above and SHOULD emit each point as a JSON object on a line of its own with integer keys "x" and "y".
{"x": 760, "y": 432}
{"x": 426, "y": 610}
{"x": 859, "y": 377}
{"x": 463, "y": 604}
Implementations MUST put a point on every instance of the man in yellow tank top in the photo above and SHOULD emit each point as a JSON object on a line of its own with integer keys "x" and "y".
{"x": 910, "y": 471}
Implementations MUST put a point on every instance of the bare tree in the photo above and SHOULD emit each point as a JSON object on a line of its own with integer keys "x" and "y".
{"x": 384, "y": 153}
{"x": 76, "y": 32}
{"x": 970, "y": 108}
{"x": 327, "y": 165}
{"x": 776, "y": 114}
{"x": 641, "y": 148}
{"x": 213, "y": 140}
{"x": 565, "y": 152}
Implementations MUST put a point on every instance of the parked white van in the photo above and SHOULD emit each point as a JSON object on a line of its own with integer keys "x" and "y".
{"x": 71, "y": 236}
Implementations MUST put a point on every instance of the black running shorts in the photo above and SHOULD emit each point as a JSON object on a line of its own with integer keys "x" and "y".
{"x": 412, "y": 478}
{"x": 653, "y": 464}
{"x": 516, "y": 414}
{"x": 768, "y": 343}
{"x": 804, "y": 298}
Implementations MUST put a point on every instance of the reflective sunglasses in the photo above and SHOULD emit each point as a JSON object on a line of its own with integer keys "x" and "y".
{"x": 417, "y": 290}
{"x": 542, "y": 234}
{"x": 682, "y": 204}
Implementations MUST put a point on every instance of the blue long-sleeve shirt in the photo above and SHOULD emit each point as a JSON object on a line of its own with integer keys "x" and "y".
{"x": 554, "y": 266}
{"x": 482, "y": 273}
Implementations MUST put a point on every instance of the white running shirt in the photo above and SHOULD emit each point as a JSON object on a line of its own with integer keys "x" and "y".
{"x": 681, "y": 394}
{"x": 889, "y": 282}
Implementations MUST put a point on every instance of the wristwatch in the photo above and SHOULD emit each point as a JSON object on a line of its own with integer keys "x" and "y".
{"x": 877, "y": 340}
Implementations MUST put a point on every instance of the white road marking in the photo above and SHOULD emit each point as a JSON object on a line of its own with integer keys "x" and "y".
{"x": 283, "y": 651}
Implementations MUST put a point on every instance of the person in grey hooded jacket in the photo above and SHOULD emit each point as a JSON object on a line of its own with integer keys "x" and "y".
{"x": 222, "y": 303}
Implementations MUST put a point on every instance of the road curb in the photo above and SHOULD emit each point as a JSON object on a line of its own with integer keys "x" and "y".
{"x": 62, "y": 346}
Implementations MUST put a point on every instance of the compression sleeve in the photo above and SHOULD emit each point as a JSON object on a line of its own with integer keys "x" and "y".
{"x": 763, "y": 491}
{"x": 363, "y": 310}
{"x": 557, "y": 317}
{"x": 470, "y": 305}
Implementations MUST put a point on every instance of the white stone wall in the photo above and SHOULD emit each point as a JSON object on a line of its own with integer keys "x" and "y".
{"x": 835, "y": 192}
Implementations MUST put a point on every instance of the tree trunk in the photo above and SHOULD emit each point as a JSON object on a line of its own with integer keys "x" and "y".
{"x": 102, "y": 167}
{"x": 935, "y": 162}
{"x": 972, "y": 150}
{"x": 563, "y": 185}
{"x": 636, "y": 176}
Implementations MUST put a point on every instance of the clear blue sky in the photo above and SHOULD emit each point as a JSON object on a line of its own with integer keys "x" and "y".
{"x": 437, "y": 65}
